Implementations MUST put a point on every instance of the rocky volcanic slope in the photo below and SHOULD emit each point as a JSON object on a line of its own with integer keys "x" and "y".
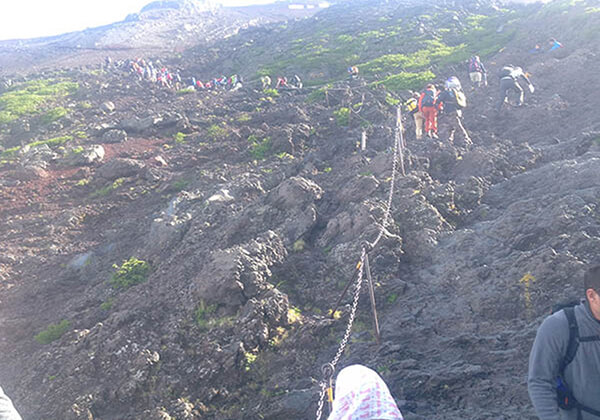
{"x": 235, "y": 219}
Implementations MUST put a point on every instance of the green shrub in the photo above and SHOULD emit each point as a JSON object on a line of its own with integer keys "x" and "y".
{"x": 259, "y": 148}
{"x": 202, "y": 314}
{"x": 179, "y": 137}
{"x": 271, "y": 92}
{"x": 216, "y": 132}
{"x": 130, "y": 273}
{"x": 342, "y": 116}
{"x": 53, "y": 332}
{"x": 107, "y": 305}
{"x": 186, "y": 90}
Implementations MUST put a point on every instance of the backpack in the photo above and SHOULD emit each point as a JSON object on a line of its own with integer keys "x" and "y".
{"x": 564, "y": 395}
{"x": 461, "y": 99}
{"x": 411, "y": 106}
{"x": 474, "y": 64}
{"x": 506, "y": 71}
{"x": 428, "y": 99}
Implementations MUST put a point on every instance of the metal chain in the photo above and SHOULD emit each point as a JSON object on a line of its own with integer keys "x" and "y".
{"x": 397, "y": 150}
{"x": 397, "y": 146}
{"x": 344, "y": 341}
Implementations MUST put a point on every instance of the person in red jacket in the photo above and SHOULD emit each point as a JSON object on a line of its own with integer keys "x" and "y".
{"x": 427, "y": 107}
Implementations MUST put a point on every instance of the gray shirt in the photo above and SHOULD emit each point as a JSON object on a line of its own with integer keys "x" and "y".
{"x": 7, "y": 410}
{"x": 582, "y": 374}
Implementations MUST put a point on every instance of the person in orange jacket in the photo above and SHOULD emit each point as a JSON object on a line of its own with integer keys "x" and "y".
{"x": 429, "y": 110}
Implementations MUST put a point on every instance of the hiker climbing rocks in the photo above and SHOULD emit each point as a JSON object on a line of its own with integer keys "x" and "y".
{"x": 282, "y": 82}
{"x": 353, "y": 72}
{"x": 477, "y": 71}
{"x": 554, "y": 44}
{"x": 411, "y": 106}
{"x": 360, "y": 393}
{"x": 564, "y": 364}
{"x": 509, "y": 81}
{"x": 427, "y": 107}
{"x": 7, "y": 409}
{"x": 266, "y": 82}
{"x": 296, "y": 82}
{"x": 451, "y": 101}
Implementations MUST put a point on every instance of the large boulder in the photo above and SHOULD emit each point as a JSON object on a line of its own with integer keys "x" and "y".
{"x": 85, "y": 155}
{"x": 120, "y": 168}
{"x": 114, "y": 136}
{"x": 136, "y": 125}
{"x": 295, "y": 192}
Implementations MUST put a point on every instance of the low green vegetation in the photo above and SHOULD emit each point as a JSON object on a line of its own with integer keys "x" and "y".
{"x": 179, "y": 137}
{"x": 131, "y": 272}
{"x": 342, "y": 116}
{"x": 53, "y": 332}
{"x": 273, "y": 93}
{"x": 28, "y": 98}
{"x": 406, "y": 81}
{"x": 205, "y": 319}
{"x": 107, "y": 304}
{"x": 56, "y": 141}
{"x": 104, "y": 191}
{"x": 217, "y": 132}
{"x": 54, "y": 114}
{"x": 259, "y": 148}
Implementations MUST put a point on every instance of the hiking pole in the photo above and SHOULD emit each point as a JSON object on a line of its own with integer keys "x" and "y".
{"x": 372, "y": 296}
{"x": 337, "y": 304}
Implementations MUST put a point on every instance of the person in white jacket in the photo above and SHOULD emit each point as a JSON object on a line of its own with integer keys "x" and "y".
{"x": 7, "y": 409}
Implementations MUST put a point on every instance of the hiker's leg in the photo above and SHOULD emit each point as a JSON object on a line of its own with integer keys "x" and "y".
{"x": 419, "y": 121}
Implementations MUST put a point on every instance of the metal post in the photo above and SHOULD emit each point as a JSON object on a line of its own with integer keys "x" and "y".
{"x": 363, "y": 141}
{"x": 372, "y": 296}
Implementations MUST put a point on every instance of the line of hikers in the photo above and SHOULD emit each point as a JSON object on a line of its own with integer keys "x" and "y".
{"x": 293, "y": 83}
{"x": 449, "y": 101}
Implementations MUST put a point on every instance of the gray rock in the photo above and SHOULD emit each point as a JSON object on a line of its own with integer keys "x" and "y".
{"x": 120, "y": 168}
{"x": 89, "y": 155}
{"x": 295, "y": 192}
{"x": 136, "y": 125}
{"x": 107, "y": 107}
{"x": 114, "y": 136}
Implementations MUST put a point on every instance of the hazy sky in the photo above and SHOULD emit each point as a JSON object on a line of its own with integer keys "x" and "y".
{"x": 34, "y": 18}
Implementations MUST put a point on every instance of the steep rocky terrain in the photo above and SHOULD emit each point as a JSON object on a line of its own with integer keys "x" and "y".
{"x": 175, "y": 255}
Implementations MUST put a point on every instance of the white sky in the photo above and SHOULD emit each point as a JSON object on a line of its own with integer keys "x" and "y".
{"x": 35, "y": 18}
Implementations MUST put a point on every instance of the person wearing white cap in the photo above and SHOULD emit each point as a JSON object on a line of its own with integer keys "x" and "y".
{"x": 361, "y": 394}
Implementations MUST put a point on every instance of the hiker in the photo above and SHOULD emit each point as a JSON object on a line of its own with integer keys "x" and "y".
{"x": 477, "y": 71}
{"x": 412, "y": 107}
{"x": 564, "y": 364}
{"x": 297, "y": 82}
{"x": 554, "y": 44}
{"x": 509, "y": 80}
{"x": 7, "y": 409}
{"x": 282, "y": 82}
{"x": 451, "y": 101}
{"x": 536, "y": 50}
{"x": 427, "y": 107}
{"x": 266, "y": 82}
{"x": 353, "y": 72}
{"x": 360, "y": 393}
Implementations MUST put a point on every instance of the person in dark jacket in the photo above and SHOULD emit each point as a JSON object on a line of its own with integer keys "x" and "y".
{"x": 7, "y": 409}
{"x": 509, "y": 81}
{"x": 451, "y": 116}
{"x": 582, "y": 374}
